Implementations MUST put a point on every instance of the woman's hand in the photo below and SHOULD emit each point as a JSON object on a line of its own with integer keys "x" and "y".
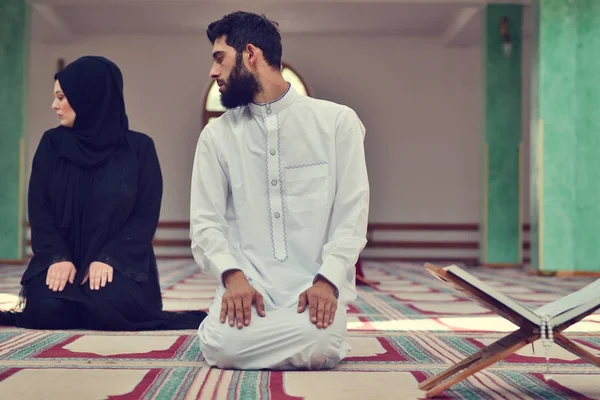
{"x": 58, "y": 275}
{"x": 98, "y": 274}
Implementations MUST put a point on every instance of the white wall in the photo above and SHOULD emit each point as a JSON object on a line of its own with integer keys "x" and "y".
{"x": 419, "y": 101}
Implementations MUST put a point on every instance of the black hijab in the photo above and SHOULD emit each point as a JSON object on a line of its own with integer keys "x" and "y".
{"x": 93, "y": 87}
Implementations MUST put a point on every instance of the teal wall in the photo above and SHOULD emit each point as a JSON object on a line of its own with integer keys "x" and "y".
{"x": 534, "y": 146}
{"x": 501, "y": 139}
{"x": 565, "y": 136}
{"x": 14, "y": 54}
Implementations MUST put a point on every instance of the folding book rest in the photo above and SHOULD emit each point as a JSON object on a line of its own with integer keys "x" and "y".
{"x": 502, "y": 348}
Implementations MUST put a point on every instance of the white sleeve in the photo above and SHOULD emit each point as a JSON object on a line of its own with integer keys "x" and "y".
{"x": 208, "y": 227}
{"x": 349, "y": 219}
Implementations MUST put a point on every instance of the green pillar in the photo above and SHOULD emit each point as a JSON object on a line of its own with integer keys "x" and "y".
{"x": 14, "y": 54}
{"x": 565, "y": 136}
{"x": 500, "y": 153}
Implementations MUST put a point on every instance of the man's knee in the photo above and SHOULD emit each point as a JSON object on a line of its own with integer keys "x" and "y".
{"x": 325, "y": 346}
{"x": 221, "y": 344}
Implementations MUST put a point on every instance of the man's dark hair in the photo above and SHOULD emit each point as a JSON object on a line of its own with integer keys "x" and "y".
{"x": 243, "y": 28}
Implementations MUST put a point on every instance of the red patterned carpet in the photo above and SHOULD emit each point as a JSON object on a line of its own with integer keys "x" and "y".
{"x": 410, "y": 327}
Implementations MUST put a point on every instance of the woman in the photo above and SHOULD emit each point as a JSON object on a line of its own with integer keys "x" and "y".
{"x": 94, "y": 201}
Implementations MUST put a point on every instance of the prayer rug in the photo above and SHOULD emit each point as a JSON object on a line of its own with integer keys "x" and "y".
{"x": 410, "y": 327}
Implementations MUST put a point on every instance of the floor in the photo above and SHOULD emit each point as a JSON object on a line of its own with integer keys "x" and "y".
{"x": 408, "y": 328}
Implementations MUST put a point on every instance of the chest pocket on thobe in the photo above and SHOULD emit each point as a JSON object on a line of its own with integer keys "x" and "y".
{"x": 305, "y": 186}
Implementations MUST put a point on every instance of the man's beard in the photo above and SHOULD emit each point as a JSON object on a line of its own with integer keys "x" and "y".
{"x": 241, "y": 87}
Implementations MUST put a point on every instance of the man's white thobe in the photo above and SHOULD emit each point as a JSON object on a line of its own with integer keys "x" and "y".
{"x": 280, "y": 191}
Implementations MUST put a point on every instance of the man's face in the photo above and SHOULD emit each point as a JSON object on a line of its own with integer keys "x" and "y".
{"x": 237, "y": 84}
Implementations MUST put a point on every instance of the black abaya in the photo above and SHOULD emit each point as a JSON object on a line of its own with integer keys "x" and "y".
{"x": 95, "y": 194}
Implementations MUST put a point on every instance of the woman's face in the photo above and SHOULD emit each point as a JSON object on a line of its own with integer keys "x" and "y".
{"x": 61, "y": 106}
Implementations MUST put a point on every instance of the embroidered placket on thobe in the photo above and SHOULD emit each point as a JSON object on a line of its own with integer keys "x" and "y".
{"x": 274, "y": 183}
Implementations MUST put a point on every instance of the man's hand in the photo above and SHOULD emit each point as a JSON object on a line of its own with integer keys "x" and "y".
{"x": 322, "y": 303}
{"x": 58, "y": 275}
{"x": 98, "y": 274}
{"x": 238, "y": 299}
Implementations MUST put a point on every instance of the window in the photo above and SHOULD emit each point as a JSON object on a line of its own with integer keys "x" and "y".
{"x": 212, "y": 102}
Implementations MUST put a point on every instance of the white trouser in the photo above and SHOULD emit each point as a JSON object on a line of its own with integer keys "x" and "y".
{"x": 282, "y": 340}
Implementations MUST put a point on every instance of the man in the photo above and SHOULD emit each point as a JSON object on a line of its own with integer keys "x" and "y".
{"x": 279, "y": 209}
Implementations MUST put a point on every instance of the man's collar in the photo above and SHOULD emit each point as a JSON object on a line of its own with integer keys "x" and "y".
{"x": 275, "y": 106}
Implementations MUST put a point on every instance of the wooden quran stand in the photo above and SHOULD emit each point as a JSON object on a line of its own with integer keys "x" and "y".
{"x": 499, "y": 350}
